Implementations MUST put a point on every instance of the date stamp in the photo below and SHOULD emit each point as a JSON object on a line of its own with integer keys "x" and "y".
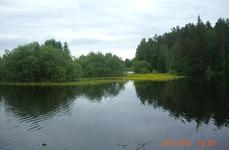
{"x": 208, "y": 143}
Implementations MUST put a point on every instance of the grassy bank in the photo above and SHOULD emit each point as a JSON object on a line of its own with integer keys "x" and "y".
{"x": 153, "y": 77}
{"x": 94, "y": 81}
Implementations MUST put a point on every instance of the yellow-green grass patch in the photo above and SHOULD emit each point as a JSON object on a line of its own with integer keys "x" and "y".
{"x": 102, "y": 80}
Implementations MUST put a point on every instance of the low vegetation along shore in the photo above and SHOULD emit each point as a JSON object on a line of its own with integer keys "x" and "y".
{"x": 157, "y": 77}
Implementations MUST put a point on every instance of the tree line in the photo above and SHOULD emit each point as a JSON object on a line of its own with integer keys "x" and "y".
{"x": 52, "y": 62}
{"x": 193, "y": 50}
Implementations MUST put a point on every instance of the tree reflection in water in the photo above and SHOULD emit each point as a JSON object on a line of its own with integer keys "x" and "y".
{"x": 40, "y": 103}
{"x": 189, "y": 99}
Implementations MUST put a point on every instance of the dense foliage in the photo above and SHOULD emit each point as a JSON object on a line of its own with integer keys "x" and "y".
{"x": 128, "y": 64}
{"x": 33, "y": 62}
{"x": 193, "y": 49}
{"x": 52, "y": 61}
{"x": 141, "y": 67}
{"x": 100, "y": 65}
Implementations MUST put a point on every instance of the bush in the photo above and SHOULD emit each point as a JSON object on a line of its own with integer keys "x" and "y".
{"x": 99, "y": 65}
{"x": 141, "y": 67}
{"x": 154, "y": 71}
{"x": 52, "y": 62}
{"x": 34, "y": 62}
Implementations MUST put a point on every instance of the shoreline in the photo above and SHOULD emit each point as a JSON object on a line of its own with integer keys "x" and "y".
{"x": 156, "y": 77}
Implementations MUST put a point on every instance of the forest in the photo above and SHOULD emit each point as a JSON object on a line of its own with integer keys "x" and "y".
{"x": 194, "y": 49}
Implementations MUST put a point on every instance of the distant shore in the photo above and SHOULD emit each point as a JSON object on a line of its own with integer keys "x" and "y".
{"x": 157, "y": 77}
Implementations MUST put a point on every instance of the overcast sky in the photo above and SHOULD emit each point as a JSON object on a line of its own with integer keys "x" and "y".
{"x": 114, "y": 26}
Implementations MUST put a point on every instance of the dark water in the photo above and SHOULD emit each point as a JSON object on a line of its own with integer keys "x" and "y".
{"x": 131, "y": 115}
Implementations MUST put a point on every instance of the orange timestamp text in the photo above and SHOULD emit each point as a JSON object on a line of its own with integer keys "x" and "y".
{"x": 188, "y": 143}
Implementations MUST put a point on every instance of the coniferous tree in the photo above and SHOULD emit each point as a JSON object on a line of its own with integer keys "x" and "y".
{"x": 193, "y": 49}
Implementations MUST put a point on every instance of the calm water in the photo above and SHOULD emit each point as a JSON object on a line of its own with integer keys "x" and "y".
{"x": 131, "y": 115}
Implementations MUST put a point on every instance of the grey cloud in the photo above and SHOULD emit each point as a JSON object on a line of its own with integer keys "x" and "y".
{"x": 109, "y": 26}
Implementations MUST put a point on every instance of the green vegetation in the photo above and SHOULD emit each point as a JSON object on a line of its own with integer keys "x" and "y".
{"x": 39, "y": 63}
{"x": 128, "y": 64}
{"x": 101, "y": 80}
{"x": 141, "y": 67}
{"x": 195, "y": 49}
{"x": 99, "y": 65}
{"x": 52, "y": 62}
{"x": 78, "y": 83}
{"x": 153, "y": 77}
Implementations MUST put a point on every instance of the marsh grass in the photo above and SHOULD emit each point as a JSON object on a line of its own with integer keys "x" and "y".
{"x": 157, "y": 77}
{"x": 154, "y": 77}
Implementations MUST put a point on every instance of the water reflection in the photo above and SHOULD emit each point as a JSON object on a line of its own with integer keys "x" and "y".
{"x": 102, "y": 117}
{"x": 35, "y": 104}
{"x": 97, "y": 92}
{"x": 189, "y": 99}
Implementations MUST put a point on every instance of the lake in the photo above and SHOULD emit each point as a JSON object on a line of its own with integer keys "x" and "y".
{"x": 181, "y": 114}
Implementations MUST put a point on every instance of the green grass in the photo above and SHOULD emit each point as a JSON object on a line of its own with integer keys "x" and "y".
{"x": 77, "y": 83}
{"x": 104, "y": 80}
{"x": 154, "y": 77}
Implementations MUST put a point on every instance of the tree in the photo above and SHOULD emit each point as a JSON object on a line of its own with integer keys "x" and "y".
{"x": 197, "y": 50}
{"x": 128, "y": 63}
{"x": 194, "y": 49}
{"x": 1, "y": 68}
{"x": 54, "y": 43}
{"x": 226, "y": 50}
{"x": 141, "y": 53}
{"x": 141, "y": 66}
{"x": 66, "y": 49}
{"x": 221, "y": 30}
{"x": 100, "y": 65}
{"x": 44, "y": 63}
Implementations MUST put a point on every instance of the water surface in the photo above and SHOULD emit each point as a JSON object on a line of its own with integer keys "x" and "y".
{"x": 131, "y": 115}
